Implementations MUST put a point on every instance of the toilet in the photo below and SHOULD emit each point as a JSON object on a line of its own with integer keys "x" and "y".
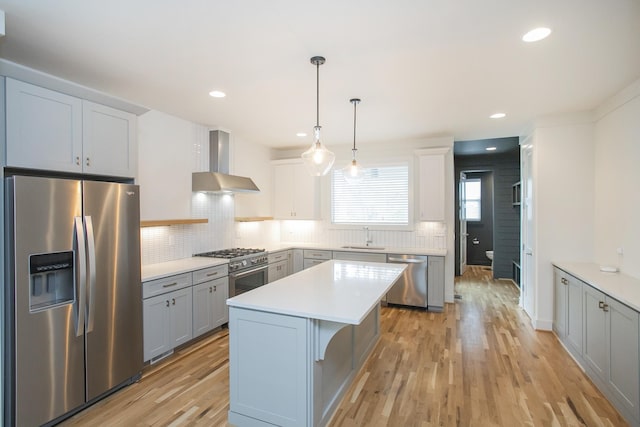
{"x": 490, "y": 256}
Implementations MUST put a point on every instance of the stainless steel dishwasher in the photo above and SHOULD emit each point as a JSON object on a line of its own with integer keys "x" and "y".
{"x": 411, "y": 287}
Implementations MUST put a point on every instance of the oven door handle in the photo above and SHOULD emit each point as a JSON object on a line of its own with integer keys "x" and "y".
{"x": 248, "y": 272}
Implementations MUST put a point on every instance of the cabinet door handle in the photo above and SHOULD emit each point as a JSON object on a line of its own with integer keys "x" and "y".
{"x": 601, "y": 304}
{"x": 78, "y": 160}
{"x": 173, "y": 301}
{"x": 605, "y": 307}
{"x": 210, "y": 289}
{"x": 88, "y": 162}
{"x": 167, "y": 303}
{"x": 212, "y": 274}
{"x": 169, "y": 285}
{"x": 215, "y": 289}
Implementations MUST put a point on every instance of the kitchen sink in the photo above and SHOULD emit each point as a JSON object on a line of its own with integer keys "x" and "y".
{"x": 377, "y": 248}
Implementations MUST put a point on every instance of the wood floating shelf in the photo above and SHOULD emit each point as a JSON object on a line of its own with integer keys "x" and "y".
{"x": 165, "y": 222}
{"x": 252, "y": 218}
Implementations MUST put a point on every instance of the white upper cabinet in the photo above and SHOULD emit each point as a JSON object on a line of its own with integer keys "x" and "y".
{"x": 431, "y": 184}
{"x": 44, "y": 128}
{"x": 49, "y": 130}
{"x": 109, "y": 140}
{"x": 296, "y": 192}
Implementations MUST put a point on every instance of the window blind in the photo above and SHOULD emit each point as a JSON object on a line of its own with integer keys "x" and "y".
{"x": 381, "y": 198}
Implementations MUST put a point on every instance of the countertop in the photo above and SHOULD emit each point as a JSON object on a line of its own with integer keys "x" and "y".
{"x": 337, "y": 291}
{"x": 625, "y": 289}
{"x": 185, "y": 265}
{"x": 384, "y": 250}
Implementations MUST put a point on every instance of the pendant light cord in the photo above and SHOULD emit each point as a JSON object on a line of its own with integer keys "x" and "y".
{"x": 317, "y": 94}
{"x": 354, "y": 125}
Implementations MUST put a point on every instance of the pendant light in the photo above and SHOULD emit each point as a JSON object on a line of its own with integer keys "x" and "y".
{"x": 317, "y": 158}
{"x": 353, "y": 173}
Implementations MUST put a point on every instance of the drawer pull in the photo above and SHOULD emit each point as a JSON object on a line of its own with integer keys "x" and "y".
{"x": 212, "y": 274}
{"x": 601, "y": 304}
{"x": 605, "y": 307}
{"x": 169, "y": 285}
{"x": 173, "y": 301}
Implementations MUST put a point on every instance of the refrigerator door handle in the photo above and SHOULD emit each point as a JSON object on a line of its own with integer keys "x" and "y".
{"x": 91, "y": 251}
{"x": 81, "y": 284}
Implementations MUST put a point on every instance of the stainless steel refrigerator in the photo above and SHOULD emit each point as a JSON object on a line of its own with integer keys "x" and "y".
{"x": 73, "y": 295}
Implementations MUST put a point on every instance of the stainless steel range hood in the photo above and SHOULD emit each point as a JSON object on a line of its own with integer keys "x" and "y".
{"x": 218, "y": 179}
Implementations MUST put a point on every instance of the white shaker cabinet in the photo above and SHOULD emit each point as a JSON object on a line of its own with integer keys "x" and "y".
{"x": 431, "y": 183}
{"x": 44, "y": 128}
{"x": 109, "y": 141}
{"x": 296, "y": 192}
{"x": 50, "y": 130}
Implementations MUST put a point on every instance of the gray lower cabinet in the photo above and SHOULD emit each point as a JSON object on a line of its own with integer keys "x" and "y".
{"x": 209, "y": 305}
{"x": 278, "y": 266}
{"x": 278, "y": 270}
{"x": 435, "y": 283}
{"x": 314, "y": 257}
{"x": 167, "y": 322}
{"x": 603, "y": 335}
{"x": 568, "y": 311}
{"x": 611, "y": 350}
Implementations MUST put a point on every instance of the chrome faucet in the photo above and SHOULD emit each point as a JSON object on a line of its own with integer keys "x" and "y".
{"x": 367, "y": 237}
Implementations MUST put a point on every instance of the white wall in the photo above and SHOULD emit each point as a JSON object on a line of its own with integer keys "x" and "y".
{"x": 169, "y": 150}
{"x": 563, "y": 175}
{"x": 617, "y": 172}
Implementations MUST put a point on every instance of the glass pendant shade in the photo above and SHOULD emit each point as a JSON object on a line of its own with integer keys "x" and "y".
{"x": 353, "y": 173}
{"x": 317, "y": 158}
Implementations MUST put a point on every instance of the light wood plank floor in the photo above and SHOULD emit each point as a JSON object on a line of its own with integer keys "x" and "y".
{"x": 479, "y": 363}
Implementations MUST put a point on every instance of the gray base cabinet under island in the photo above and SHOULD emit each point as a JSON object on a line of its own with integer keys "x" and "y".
{"x": 295, "y": 345}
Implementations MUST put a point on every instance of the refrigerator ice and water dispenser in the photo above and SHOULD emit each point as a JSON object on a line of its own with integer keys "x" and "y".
{"x": 51, "y": 280}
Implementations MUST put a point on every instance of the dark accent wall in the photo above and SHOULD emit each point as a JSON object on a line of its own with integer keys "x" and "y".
{"x": 506, "y": 217}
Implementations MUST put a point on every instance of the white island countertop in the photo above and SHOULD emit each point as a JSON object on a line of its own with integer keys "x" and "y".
{"x": 337, "y": 291}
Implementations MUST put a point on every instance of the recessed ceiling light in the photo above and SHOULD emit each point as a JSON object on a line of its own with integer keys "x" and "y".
{"x": 490, "y": 148}
{"x": 217, "y": 94}
{"x": 301, "y": 134}
{"x": 536, "y": 34}
{"x": 497, "y": 115}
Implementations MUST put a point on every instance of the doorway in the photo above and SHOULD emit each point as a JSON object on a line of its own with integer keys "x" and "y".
{"x": 476, "y": 202}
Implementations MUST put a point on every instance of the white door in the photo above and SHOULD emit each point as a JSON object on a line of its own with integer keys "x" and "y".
{"x": 463, "y": 224}
{"x": 527, "y": 294}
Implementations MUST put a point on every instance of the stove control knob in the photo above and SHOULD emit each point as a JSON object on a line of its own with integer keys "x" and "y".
{"x": 253, "y": 261}
{"x": 244, "y": 262}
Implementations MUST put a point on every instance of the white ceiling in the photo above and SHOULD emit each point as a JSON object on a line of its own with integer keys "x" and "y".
{"x": 421, "y": 67}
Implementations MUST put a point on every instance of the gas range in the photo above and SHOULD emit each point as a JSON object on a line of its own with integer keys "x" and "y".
{"x": 239, "y": 258}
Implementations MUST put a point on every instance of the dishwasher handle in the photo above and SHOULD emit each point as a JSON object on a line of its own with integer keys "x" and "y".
{"x": 407, "y": 261}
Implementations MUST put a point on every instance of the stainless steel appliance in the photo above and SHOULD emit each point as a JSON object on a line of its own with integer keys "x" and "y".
{"x": 411, "y": 287}
{"x": 73, "y": 295}
{"x": 247, "y": 268}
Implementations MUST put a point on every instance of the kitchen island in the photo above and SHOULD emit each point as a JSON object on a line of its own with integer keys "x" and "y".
{"x": 295, "y": 345}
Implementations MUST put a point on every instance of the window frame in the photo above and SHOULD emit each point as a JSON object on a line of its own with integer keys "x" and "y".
{"x": 479, "y": 200}
{"x": 376, "y": 226}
